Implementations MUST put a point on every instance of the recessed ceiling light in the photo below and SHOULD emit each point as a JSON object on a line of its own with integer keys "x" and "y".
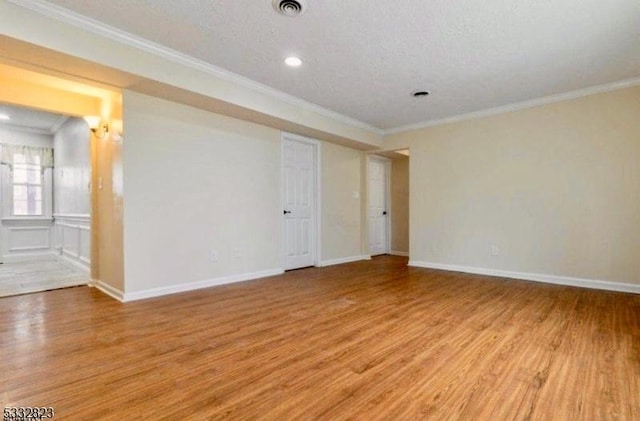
{"x": 419, "y": 94}
{"x": 293, "y": 61}
{"x": 4, "y": 117}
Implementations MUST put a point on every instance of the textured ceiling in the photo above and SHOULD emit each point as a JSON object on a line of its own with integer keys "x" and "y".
{"x": 363, "y": 58}
{"x": 31, "y": 120}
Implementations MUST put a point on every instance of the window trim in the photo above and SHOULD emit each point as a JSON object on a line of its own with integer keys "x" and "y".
{"x": 27, "y": 167}
{"x": 6, "y": 193}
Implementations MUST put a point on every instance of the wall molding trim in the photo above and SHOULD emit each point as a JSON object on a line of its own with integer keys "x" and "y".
{"x": 28, "y": 257}
{"x": 74, "y": 264}
{"x": 536, "y": 277}
{"x": 399, "y": 253}
{"x": 76, "y": 217}
{"x": 517, "y": 106}
{"x": 72, "y": 234}
{"x": 192, "y": 286}
{"x": 344, "y": 260}
{"x": 108, "y": 289}
{"x": 99, "y": 28}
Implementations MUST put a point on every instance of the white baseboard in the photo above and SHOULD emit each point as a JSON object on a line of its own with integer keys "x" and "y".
{"x": 73, "y": 263}
{"x": 536, "y": 277}
{"x": 28, "y": 257}
{"x": 399, "y": 253}
{"x": 191, "y": 286}
{"x": 108, "y": 289}
{"x": 344, "y": 260}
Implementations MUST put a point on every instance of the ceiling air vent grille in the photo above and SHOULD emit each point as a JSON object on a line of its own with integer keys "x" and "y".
{"x": 289, "y": 8}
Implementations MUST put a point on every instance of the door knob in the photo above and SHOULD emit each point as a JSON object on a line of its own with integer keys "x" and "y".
{"x": 384, "y": 213}
{"x": 286, "y": 212}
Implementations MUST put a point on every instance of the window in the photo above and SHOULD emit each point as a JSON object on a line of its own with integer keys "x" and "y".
{"x": 27, "y": 186}
{"x": 26, "y": 181}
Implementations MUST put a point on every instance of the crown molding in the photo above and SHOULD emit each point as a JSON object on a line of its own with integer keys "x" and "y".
{"x": 599, "y": 89}
{"x": 54, "y": 129}
{"x": 96, "y": 27}
{"x": 25, "y": 129}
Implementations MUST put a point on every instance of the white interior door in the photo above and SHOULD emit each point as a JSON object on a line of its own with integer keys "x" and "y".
{"x": 377, "y": 208}
{"x": 299, "y": 169}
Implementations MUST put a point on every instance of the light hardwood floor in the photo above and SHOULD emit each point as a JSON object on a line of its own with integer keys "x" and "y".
{"x": 367, "y": 340}
{"x": 26, "y": 277}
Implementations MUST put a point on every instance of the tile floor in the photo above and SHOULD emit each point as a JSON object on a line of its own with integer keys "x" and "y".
{"x": 26, "y": 277}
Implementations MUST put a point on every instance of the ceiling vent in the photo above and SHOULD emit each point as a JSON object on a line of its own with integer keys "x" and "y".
{"x": 291, "y": 8}
{"x": 419, "y": 94}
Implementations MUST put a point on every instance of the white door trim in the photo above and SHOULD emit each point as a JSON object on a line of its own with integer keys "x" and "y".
{"x": 317, "y": 185}
{"x": 387, "y": 193}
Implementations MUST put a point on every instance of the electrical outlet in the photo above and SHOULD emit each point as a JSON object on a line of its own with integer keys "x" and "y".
{"x": 214, "y": 255}
{"x": 495, "y": 250}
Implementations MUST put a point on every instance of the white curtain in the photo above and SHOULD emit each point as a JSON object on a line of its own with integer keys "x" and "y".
{"x": 7, "y": 153}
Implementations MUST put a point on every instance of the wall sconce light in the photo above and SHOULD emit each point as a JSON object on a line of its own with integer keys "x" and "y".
{"x": 99, "y": 127}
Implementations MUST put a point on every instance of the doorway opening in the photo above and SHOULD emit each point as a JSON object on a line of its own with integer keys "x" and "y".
{"x": 388, "y": 203}
{"x": 52, "y": 162}
{"x": 45, "y": 173}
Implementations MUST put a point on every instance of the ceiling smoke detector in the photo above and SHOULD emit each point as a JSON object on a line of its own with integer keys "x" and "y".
{"x": 291, "y": 8}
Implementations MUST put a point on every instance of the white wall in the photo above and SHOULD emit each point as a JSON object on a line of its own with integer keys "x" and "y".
{"x": 555, "y": 188}
{"x": 72, "y": 201}
{"x": 72, "y": 172}
{"x": 24, "y": 238}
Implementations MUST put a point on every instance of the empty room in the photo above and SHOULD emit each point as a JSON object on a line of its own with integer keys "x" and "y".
{"x": 305, "y": 209}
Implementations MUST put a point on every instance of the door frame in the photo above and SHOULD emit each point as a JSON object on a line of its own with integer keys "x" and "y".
{"x": 387, "y": 193}
{"x": 317, "y": 196}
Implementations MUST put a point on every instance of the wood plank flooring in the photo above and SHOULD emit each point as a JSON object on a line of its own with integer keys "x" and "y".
{"x": 43, "y": 275}
{"x": 367, "y": 340}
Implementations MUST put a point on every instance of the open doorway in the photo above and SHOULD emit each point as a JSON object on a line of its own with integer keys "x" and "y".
{"x": 81, "y": 218}
{"x": 388, "y": 203}
{"x": 45, "y": 200}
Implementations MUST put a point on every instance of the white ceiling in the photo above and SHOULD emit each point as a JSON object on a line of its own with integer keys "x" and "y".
{"x": 363, "y": 58}
{"x": 26, "y": 119}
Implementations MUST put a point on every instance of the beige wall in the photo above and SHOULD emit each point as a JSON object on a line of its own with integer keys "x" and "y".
{"x": 195, "y": 182}
{"x": 556, "y": 188}
{"x": 400, "y": 204}
{"x": 107, "y": 225}
{"x": 340, "y": 202}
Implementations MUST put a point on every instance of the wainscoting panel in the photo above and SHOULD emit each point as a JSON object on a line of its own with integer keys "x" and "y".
{"x": 73, "y": 239}
{"x": 25, "y": 238}
{"x": 29, "y": 238}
